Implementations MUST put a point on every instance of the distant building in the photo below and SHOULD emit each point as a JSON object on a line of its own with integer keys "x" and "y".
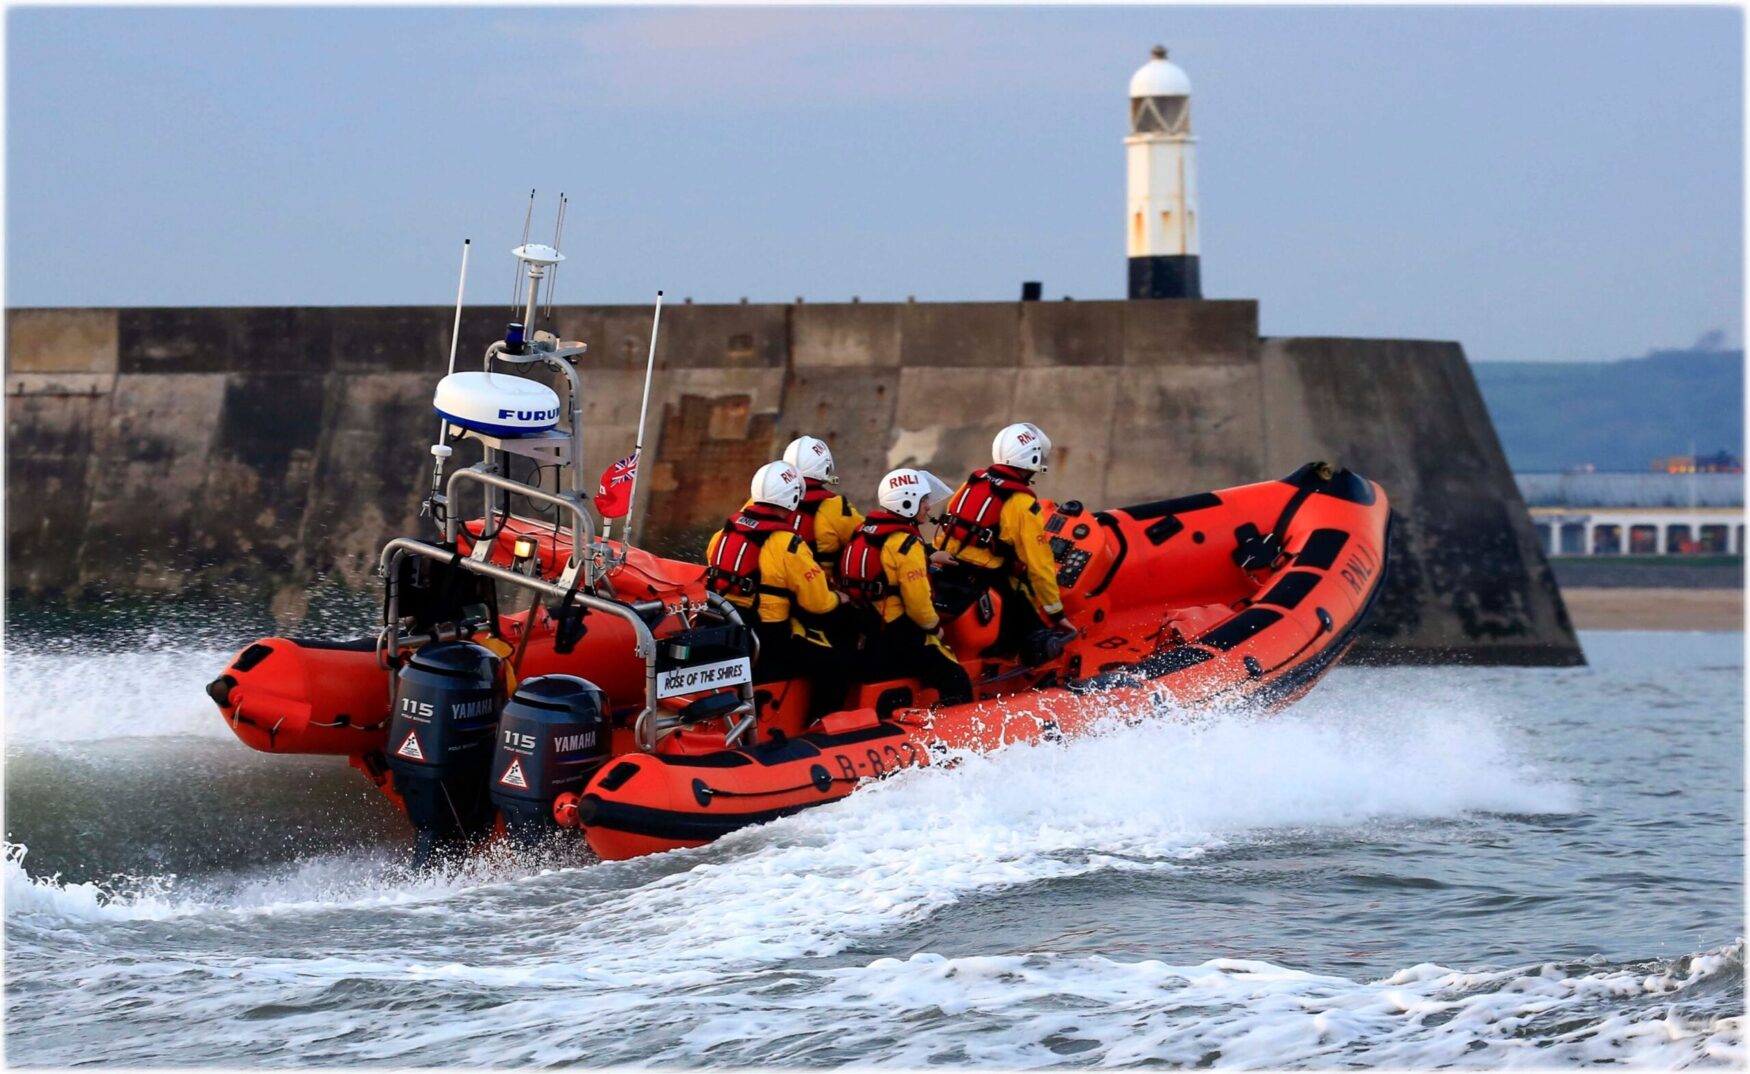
{"x": 1647, "y": 514}
{"x": 1720, "y": 462}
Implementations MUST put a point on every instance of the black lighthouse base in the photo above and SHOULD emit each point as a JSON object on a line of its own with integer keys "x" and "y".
{"x": 1165, "y": 277}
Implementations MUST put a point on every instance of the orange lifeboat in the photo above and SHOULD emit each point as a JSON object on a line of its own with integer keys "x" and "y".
{"x": 1247, "y": 594}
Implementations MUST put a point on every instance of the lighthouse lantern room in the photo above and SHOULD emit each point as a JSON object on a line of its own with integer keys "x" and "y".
{"x": 1162, "y": 224}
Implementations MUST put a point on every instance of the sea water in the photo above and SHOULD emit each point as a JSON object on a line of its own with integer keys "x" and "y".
{"x": 1409, "y": 868}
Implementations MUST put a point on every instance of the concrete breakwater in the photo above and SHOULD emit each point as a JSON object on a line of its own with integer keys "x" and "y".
{"x": 190, "y": 451}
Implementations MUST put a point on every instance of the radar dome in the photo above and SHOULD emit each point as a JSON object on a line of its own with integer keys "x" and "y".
{"x": 497, "y": 404}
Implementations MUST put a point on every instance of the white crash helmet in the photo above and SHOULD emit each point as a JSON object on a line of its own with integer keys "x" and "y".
{"x": 811, "y": 457}
{"x": 905, "y": 491}
{"x": 1022, "y": 445}
{"x": 777, "y": 484}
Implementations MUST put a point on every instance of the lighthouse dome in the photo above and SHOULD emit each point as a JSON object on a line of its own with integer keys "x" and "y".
{"x": 1160, "y": 78}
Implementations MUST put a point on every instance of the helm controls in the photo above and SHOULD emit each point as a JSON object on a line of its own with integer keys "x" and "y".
{"x": 1071, "y": 561}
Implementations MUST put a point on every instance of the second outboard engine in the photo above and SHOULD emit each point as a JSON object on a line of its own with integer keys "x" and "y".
{"x": 553, "y": 736}
{"x": 447, "y": 699}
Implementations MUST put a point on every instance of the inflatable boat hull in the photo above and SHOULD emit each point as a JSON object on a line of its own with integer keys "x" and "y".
{"x": 1243, "y": 595}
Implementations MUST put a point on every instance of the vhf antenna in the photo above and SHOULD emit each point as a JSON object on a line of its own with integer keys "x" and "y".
{"x": 441, "y": 450}
{"x": 558, "y": 234}
{"x": 516, "y": 277}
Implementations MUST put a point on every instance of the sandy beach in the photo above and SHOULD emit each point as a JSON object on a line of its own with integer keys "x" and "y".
{"x": 1655, "y": 609}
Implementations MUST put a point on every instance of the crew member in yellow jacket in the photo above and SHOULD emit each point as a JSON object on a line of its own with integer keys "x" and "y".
{"x": 994, "y": 528}
{"x": 885, "y": 570}
{"x": 828, "y": 519}
{"x": 760, "y": 563}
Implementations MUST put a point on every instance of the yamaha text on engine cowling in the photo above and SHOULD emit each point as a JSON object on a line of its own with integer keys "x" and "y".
{"x": 552, "y": 737}
{"x": 447, "y": 700}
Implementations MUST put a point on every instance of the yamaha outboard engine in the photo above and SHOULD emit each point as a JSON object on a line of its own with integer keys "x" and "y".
{"x": 553, "y": 736}
{"x": 447, "y": 699}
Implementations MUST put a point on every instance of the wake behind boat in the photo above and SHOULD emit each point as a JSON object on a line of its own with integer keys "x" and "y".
{"x": 624, "y": 702}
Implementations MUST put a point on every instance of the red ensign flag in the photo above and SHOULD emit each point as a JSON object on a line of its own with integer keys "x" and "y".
{"x": 613, "y": 498}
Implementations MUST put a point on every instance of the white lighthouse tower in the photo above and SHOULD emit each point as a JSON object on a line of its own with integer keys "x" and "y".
{"x": 1162, "y": 224}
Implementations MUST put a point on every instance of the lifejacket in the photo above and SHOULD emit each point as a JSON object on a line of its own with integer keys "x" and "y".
{"x": 975, "y": 514}
{"x": 815, "y": 495}
{"x": 861, "y": 576}
{"x": 735, "y": 565}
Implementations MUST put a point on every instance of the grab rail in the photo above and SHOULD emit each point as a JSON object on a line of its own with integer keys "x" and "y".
{"x": 555, "y": 359}
{"x": 390, "y": 561}
{"x": 583, "y": 523}
{"x": 651, "y": 725}
{"x": 648, "y": 726}
{"x": 741, "y": 727}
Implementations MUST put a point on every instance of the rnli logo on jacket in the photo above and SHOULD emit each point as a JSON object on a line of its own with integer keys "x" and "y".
{"x": 530, "y": 415}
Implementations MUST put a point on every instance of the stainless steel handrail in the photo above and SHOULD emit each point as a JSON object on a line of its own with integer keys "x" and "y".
{"x": 556, "y": 360}
{"x": 651, "y": 725}
{"x": 582, "y": 525}
{"x": 584, "y": 550}
{"x": 388, "y": 564}
{"x": 648, "y": 726}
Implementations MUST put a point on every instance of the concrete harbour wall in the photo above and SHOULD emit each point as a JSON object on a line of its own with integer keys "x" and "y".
{"x": 187, "y": 451}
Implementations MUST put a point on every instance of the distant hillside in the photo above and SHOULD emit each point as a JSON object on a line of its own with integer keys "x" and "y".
{"x": 1615, "y": 415}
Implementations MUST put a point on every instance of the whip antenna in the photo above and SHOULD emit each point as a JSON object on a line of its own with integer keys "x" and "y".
{"x": 441, "y": 451}
{"x": 558, "y": 234}
{"x": 461, "y": 286}
{"x": 643, "y": 410}
{"x": 516, "y": 275}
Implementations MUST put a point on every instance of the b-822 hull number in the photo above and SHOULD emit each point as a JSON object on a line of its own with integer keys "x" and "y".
{"x": 867, "y": 762}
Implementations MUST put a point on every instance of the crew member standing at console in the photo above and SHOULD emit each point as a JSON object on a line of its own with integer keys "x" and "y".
{"x": 760, "y": 563}
{"x": 995, "y": 529}
{"x": 886, "y": 572}
{"x": 828, "y": 519}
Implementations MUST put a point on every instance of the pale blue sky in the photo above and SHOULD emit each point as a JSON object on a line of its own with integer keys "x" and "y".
{"x": 1561, "y": 183}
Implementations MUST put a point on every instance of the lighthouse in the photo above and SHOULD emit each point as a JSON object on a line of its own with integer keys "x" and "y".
{"x": 1162, "y": 221}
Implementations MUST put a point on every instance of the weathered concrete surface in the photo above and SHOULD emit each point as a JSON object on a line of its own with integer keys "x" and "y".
{"x": 180, "y": 450}
{"x": 1464, "y": 560}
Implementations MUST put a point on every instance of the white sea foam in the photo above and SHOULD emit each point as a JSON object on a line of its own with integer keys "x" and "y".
{"x": 46, "y": 898}
{"x": 1141, "y": 797}
{"x": 362, "y": 880}
{"x": 1029, "y": 1011}
{"x": 733, "y": 954}
{"x": 1150, "y": 796}
{"x": 55, "y": 700}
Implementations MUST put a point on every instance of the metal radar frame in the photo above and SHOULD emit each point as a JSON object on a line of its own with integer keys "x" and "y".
{"x": 586, "y": 581}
